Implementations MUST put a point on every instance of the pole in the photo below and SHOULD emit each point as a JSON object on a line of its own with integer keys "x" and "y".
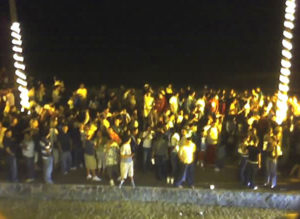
{"x": 13, "y": 11}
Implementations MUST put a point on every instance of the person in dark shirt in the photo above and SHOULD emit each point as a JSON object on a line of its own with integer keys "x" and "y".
{"x": 10, "y": 147}
{"x": 64, "y": 145}
{"x": 254, "y": 159}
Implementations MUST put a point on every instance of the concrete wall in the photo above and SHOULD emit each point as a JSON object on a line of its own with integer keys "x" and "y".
{"x": 240, "y": 198}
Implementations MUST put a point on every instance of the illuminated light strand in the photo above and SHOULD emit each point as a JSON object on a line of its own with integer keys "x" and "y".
{"x": 290, "y": 17}
{"x": 282, "y": 97}
{"x": 290, "y": 4}
{"x": 283, "y": 87}
{"x": 18, "y": 58}
{"x": 286, "y": 63}
{"x": 17, "y": 42}
{"x": 15, "y": 27}
{"x": 19, "y": 65}
{"x": 287, "y": 34}
{"x": 23, "y": 89}
{"x": 282, "y": 107}
{"x": 16, "y": 35}
{"x": 17, "y": 49}
{"x": 21, "y": 82}
{"x": 20, "y": 74}
{"x": 284, "y": 79}
{"x": 289, "y": 24}
{"x": 286, "y": 54}
{"x": 285, "y": 71}
{"x": 290, "y": 10}
{"x": 287, "y": 44}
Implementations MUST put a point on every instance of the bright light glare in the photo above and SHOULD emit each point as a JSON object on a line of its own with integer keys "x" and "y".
{"x": 286, "y": 54}
{"x": 282, "y": 97}
{"x": 17, "y": 42}
{"x": 23, "y": 89}
{"x": 284, "y": 79}
{"x": 290, "y": 17}
{"x": 18, "y": 58}
{"x": 21, "y": 82}
{"x": 19, "y": 66}
{"x": 289, "y": 24}
{"x": 287, "y": 44}
{"x": 17, "y": 49}
{"x": 286, "y": 63}
{"x": 283, "y": 88}
{"x": 20, "y": 74}
{"x": 285, "y": 71}
{"x": 16, "y": 35}
{"x": 287, "y": 34}
{"x": 15, "y": 27}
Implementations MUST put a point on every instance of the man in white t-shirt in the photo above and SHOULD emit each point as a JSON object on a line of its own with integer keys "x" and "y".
{"x": 126, "y": 164}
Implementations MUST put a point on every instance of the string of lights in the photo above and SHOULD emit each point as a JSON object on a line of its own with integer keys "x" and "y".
{"x": 19, "y": 65}
{"x": 285, "y": 71}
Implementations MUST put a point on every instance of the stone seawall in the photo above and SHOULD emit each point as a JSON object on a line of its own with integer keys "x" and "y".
{"x": 237, "y": 198}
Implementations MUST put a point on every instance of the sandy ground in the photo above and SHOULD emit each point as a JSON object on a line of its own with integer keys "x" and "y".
{"x": 11, "y": 209}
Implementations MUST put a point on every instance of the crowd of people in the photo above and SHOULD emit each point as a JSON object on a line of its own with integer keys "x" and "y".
{"x": 111, "y": 132}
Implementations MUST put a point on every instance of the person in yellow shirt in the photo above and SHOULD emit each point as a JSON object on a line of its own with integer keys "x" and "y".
{"x": 82, "y": 92}
{"x": 186, "y": 155}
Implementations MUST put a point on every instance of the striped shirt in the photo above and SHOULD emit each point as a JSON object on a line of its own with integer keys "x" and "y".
{"x": 46, "y": 148}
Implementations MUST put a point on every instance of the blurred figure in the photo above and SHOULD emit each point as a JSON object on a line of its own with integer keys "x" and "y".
{"x": 10, "y": 147}
{"x": 186, "y": 156}
{"x": 28, "y": 151}
{"x": 126, "y": 164}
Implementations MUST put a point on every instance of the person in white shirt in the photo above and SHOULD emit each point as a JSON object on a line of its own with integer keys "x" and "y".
{"x": 126, "y": 165}
{"x": 174, "y": 103}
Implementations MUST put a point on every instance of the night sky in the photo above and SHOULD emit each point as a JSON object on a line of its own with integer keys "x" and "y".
{"x": 228, "y": 43}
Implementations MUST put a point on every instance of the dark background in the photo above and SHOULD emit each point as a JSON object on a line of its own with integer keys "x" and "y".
{"x": 228, "y": 43}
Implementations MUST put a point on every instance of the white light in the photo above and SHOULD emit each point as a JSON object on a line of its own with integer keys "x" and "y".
{"x": 20, "y": 74}
{"x": 287, "y": 44}
{"x": 17, "y": 42}
{"x": 286, "y": 63}
{"x": 290, "y": 10}
{"x": 16, "y": 35}
{"x": 289, "y": 17}
{"x": 282, "y": 97}
{"x": 290, "y": 4}
{"x": 285, "y": 71}
{"x": 17, "y": 49}
{"x": 15, "y": 27}
{"x": 284, "y": 79}
{"x": 19, "y": 66}
{"x": 286, "y": 54}
{"x": 289, "y": 24}
{"x": 283, "y": 87}
{"x": 25, "y": 104}
{"x": 18, "y": 58}
{"x": 23, "y": 89}
{"x": 212, "y": 187}
{"x": 21, "y": 82}
{"x": 24, "y": 97}
{"x": 287, "y": 34}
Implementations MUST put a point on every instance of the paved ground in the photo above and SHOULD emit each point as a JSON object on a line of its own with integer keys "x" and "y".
{"x": 227, "y": 178}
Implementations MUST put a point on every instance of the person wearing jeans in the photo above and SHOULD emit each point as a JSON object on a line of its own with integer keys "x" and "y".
{"x": 47, "y": 156}
{"x": 10, "y": 148}
{"x": 186, "y": 156}
{"x": 28, "y": 152}
{"x": 64, "y": 145}
{"x": 273, "y": 151}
